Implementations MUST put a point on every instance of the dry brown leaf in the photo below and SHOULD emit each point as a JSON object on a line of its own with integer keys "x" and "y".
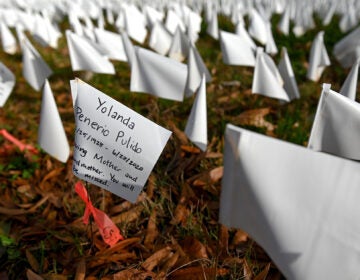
{"x": 263, "y": 274}
{"x": 180, "y": 215}
{"x": 121, "y": 245}
{"x": 170, "y": 262}
{"x": 248, "y": 274}
{"x": 32, "y": 261}
{"x": 194, "y": 248}
{"x": 216, "y": 174}
{"x": 240, "y": 236}
{"x": 80, "y": 270}
{"x": 31, "y": 275}
{"x": 134, "y": 274}
{"x": 197, "y": 273}
{"x": 15, "y": 212}
{"x": 128, "y": 216}
{"x": 256, "y": 117}
{"x": 150, "y": 187}
{"x": 223, "y": 239}
{"x": 190, "y": 149}
{"x": 213, "y": 155}
{"x": 179, "y": 134}
{"x": 156, "y": 259}
{"x": 53, "y": 173}
{"x": 113, "y": 258}
{"x": 54, "y": 276}
{"x": 152, "y": 231}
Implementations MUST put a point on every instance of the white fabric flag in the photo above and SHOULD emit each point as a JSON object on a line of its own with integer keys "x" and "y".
{"x": 160, "y": 38}
{"x": 257, "y": 27}
{"x": 194, "y": 26}
{"x": 299, "y": 205}
{"x": 129, "y": 47}
{"x": 115, "y": 148}
{"x": 336, "y": 127}
{"x": 84, "y": 56}
{"x": 179, "y": 48}
{"x": 8, "y": 40}
{"x": 7, "y": 83}
{"x": 347, "y": 50}
{"x": 270, "y": 46}
{"x": 45, "y": 33}
{"x": 196, "y": 69}
{"x": 349, "y": 87}
{"x": 152, "y": 16}
{"x": 241, "y": 31}
{"x": 319, "y": 58}
{"x": 158, "y": 75}
{"x": 135, "y": 24}
{"x": 35, "y": 69}
{"x": 111, "y": 43}
{"x": 173, "y": 21}
{"x": 267, "y": 79}
{"x": 213, "y": 26}
{"x": 196, "y": 126}
{"x": 235, "y": 50}
{"x": 284, "y": 23}
{"x": 51, "y": 134}
{"x": 288, "y": 76}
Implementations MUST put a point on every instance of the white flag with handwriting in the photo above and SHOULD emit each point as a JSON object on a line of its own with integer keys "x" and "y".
{"x": 51, "y": 134}
{"x": 158, "y": 75}
{"x": 299, "y": 205}
{"x": 115, "y": 148}
{"x": 336, "y": 127}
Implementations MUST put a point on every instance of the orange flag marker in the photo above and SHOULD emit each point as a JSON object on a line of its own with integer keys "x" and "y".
{"x": 108, "y": 230}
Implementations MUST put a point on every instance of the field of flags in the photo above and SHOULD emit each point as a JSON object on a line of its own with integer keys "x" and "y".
{"x": 184, "y": 139}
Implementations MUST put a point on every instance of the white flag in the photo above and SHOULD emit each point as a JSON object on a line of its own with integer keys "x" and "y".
{"x": 35, "y": 69}
{"x": 7, "y": 83}
{"x": 349, "y": 87}
{"x": 288, "y": 76}
{"x": 319, "y": 58}
{"x": 235, "y": 50}
{"x": 8, "y": 40}
{"x": 111, "y": 43}
{"x": 84, "y": 56}
{"x": 179, "y": 49}
{"x": 51, "y": 134}
{"x": 267, "y": 79}
{"x": 347, "y": 50}
{"x": 336, "y": 127}
{"x": 299, "y": 205}
{"x": 196, "y": 69}
{"x": 160, "y": 38}
{"x": 196, "y": 126}
{"x": 115, "y": 148}
{"x": 158, "y": 75}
